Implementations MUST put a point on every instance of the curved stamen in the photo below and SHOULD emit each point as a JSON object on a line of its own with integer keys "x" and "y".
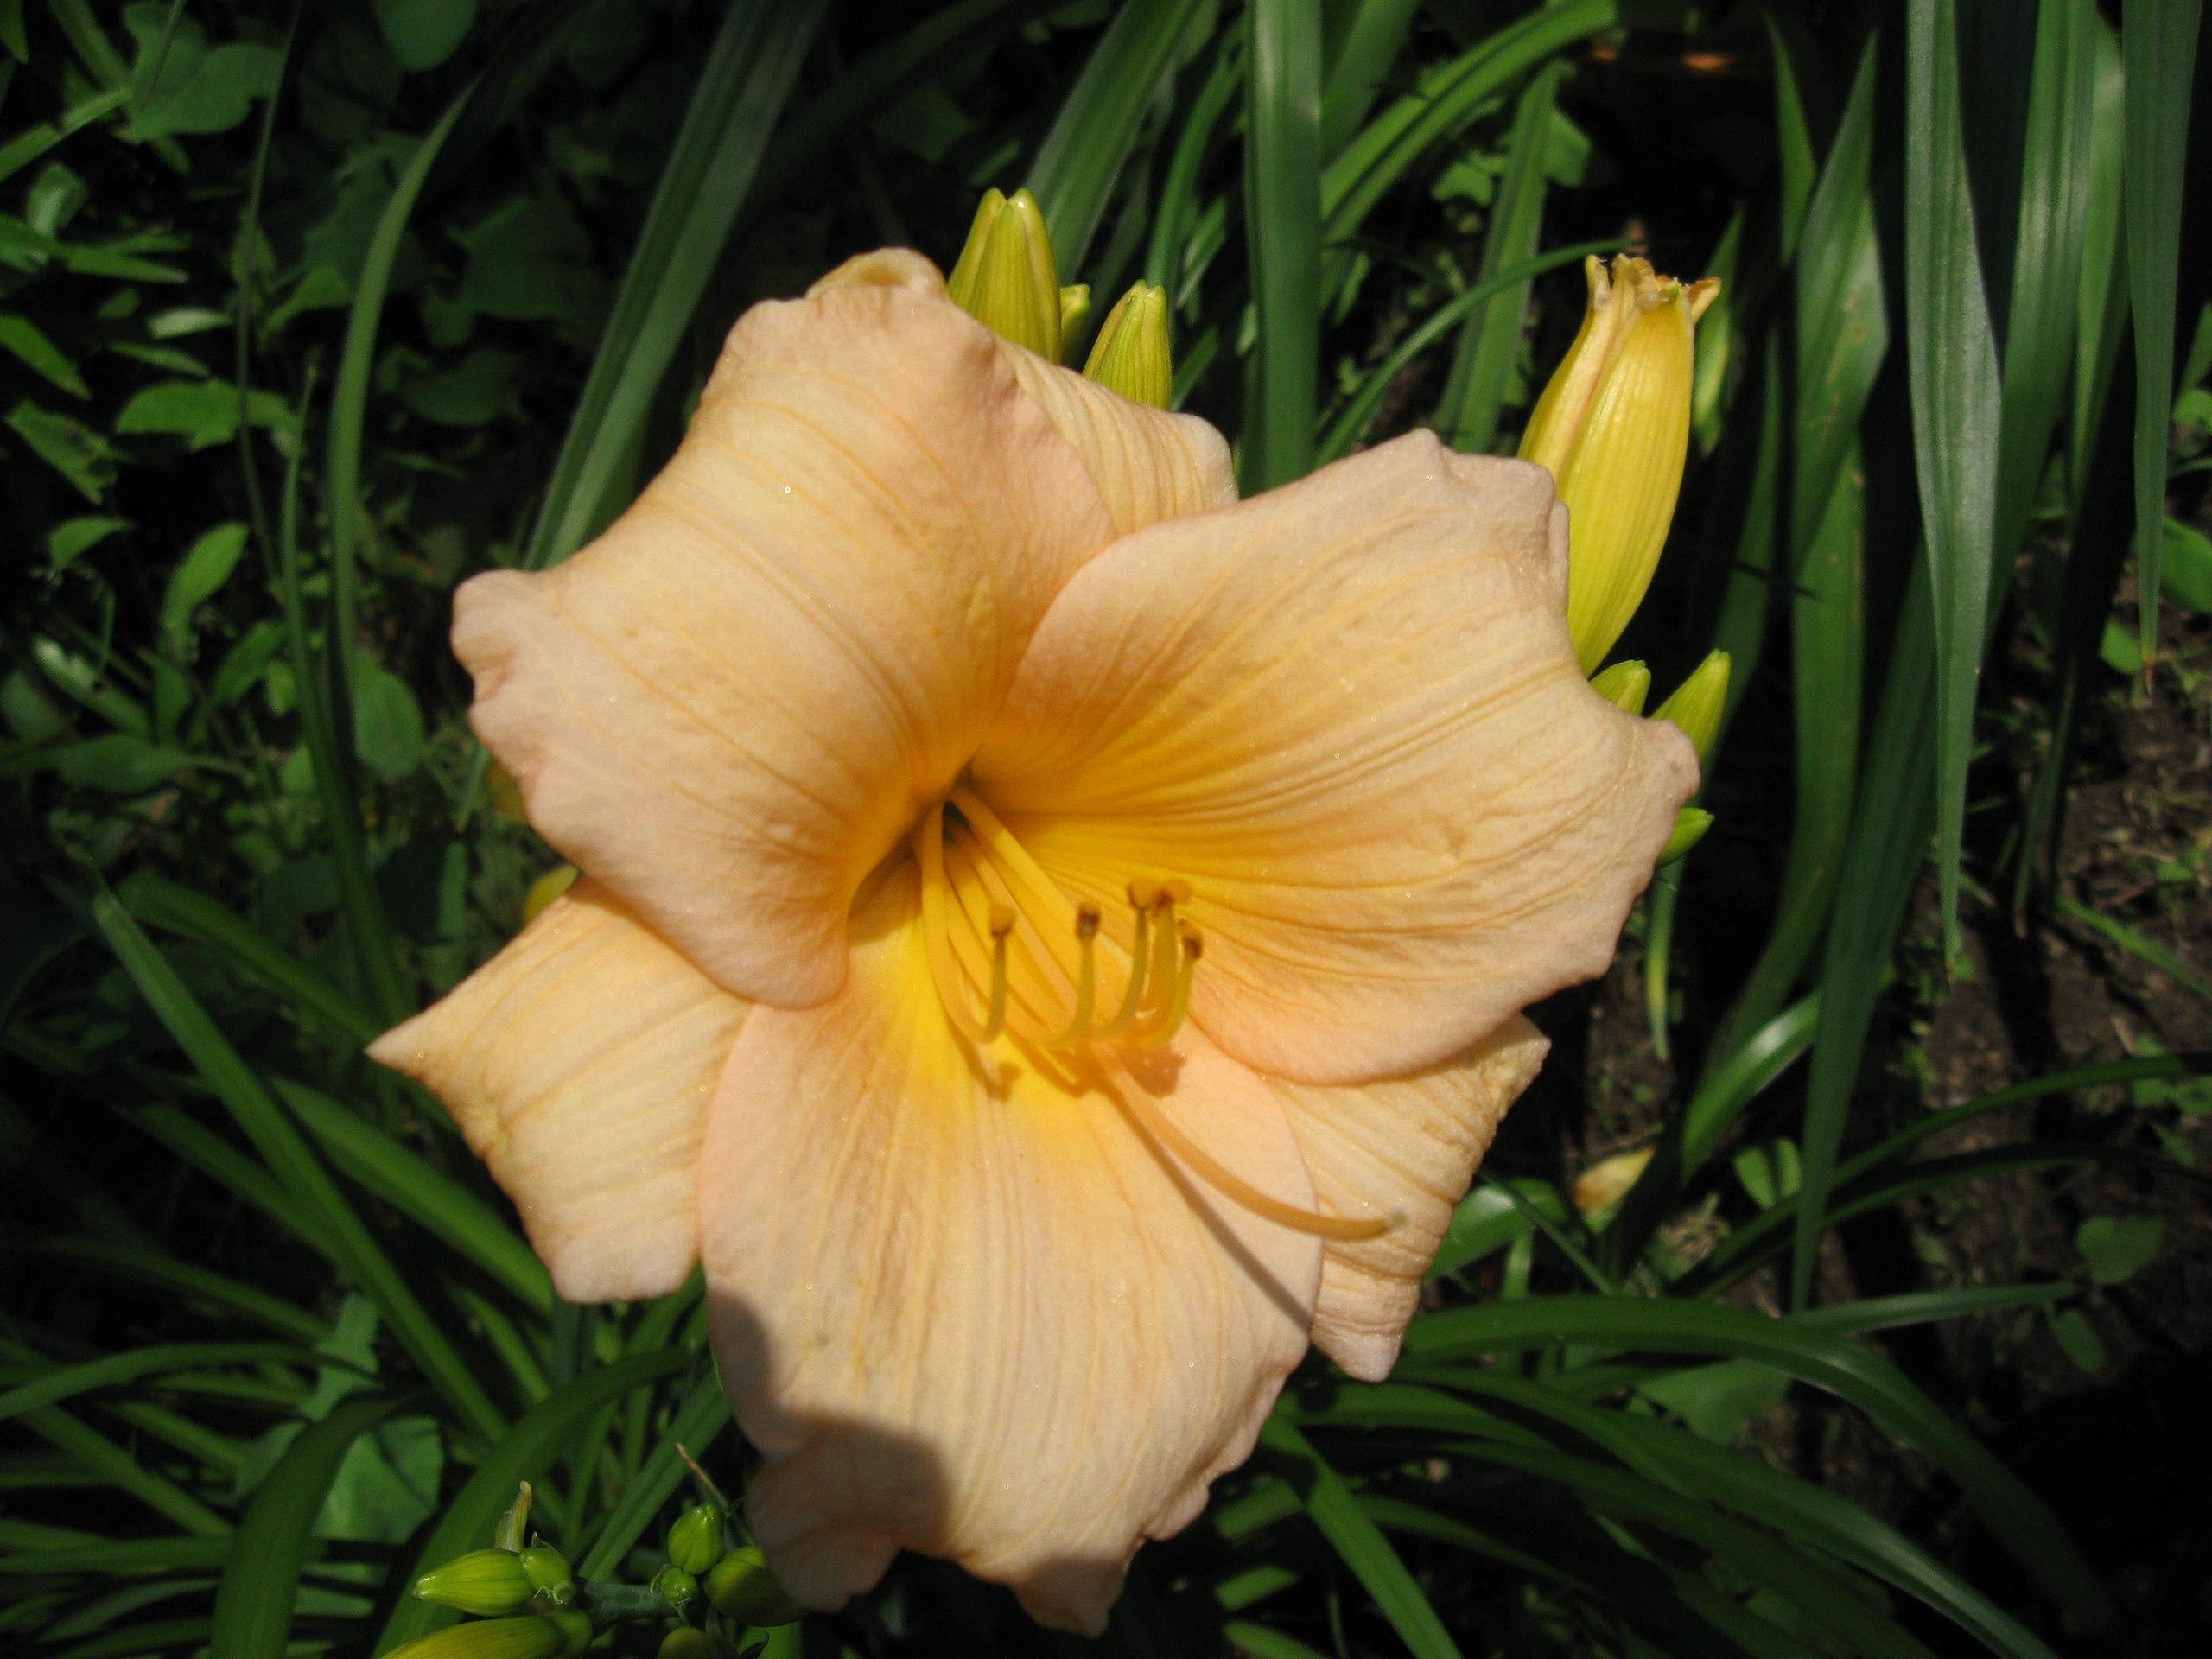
{"x": 1143, "y": 895}
{"x": 1177, "y": 1007}
{"x": 1086, "y": 995}
{"x": 936, "y": 937}
{"x": 1163, "y": 1128}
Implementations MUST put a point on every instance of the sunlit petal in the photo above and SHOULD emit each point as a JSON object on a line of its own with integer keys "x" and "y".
{"x": 579, "y": 1063}
{"x": 983, "y": 1318}
{"x": 1406, "y": 1147}
{"x": 1347, "y": 714}
{"x": 729, "y": 706}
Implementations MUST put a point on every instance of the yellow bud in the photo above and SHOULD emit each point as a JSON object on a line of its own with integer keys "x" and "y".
{"x": 538, "y": 1635}
{"x": 1131, "y": 355}
{"x": 1613, "y": 427}
{"x": 1697, "y": 702}
{"x": 744, "y": 1591}
{"x": 1006, "y": 278}
{"x": 548, "y": 887}
{"x": 1607, "y": 1182}
{"x": 1690, "y": 825}
{"x": 1625, "y": 685}
{"x": 484, "y": 1582}
{"x": 1075, "y": 311}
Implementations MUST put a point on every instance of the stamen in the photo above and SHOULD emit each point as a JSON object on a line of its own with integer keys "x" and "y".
{"x": 1163, "y": 1128}
{"x": 1142, "y": 896}
{"x": 1086, "y": 995}
{"x": 1176, "y": 1008}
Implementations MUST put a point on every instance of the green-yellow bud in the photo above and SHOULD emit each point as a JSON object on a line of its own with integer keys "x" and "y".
{"x": 537, "y": 1636}
{"x": 674, "y": 1588}
{"x": 1690, "y": 825}
{"x": 1613, "y": 426}
{"x": 1075, "y": 311}
{"x": 695, "y": 1542}
{"x": 1131, "y": 355}
{"x": 745, "y": 1592}
{"x": 484, "y": 1582}
{"x": 549, "y": 1575}
{"x": 686, "y": 1642}
{"x": 1625, "y": 685}
{"x": 513, "y": 1530}
{"x": 1006, "y": 278}
{"x": 548, "y": 887}
{"x": 1697, "y": 702}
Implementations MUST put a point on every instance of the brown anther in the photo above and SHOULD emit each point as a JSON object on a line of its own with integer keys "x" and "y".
{"x": 1086, "y": 921}
{"x": 1144, "y": 894}
{"x": 1001, "y": 920}
{"x": 1175, "y": 891}
{"x": 1194, "y": 945}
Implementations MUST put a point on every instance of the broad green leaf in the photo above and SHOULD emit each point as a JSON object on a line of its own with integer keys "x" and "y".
{"x": 198, "y": 90}
{"x": 199, "y": 576}
{"x": 29, "y": 345}
{"x": 72, "y": 448}
{"x": 72, "y": 538}
{"x": 388, "y": 731}
{"x": 1283, "y": 197}
{"x": 2115, "y": 1249}
{"x": 423, "y": 34}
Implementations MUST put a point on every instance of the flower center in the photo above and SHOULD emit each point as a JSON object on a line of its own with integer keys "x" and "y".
{"x": 1011, "y": 953}
{"x": 1012, "y": 956}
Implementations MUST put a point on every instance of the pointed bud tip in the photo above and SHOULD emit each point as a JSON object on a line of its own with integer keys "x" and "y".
{"x": 1133, "y": 354}
{"x": 1006, "y": 276}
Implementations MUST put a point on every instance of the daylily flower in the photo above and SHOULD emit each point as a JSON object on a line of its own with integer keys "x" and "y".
{"x": 1053, "y": 936}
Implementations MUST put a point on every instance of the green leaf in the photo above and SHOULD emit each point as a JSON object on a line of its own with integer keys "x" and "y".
{"x": 1090, "y": 139}
{"x": 1282, "y": 196}
{"x": 2158, "y": 46}
{"x": 475, "y": 392}
{"x": 118, "y": 764}
{"x": 199, "y": 90}
{"x": 72, "y": 537}
{"x": 1951, "y": 347}
{"x": 202, "y": 412}
{"x": 199, "y": 576}
{"x": 423, "y": 34}
{"x": 1359, "y": 1543}
{"x": 28, "y": 343}
{"x": 388, "y": 731}
{"x": 253, "y": 1607}
{"x": 71, "y": 447}
{"x": 1718, "y": 1401}
{"x": 2188, "y": 574}
{"x": 2116, "y": 1247}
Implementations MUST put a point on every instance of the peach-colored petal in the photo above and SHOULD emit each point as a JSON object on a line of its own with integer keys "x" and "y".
{"x": 1348, "y": 714}
{"x": 1407, "y": 1147}
{"x": 1147, "y": 463}
{"x": 579, "y": 1063}
{"x": 729, "y": 707}
{"x": 988, "y": 1321}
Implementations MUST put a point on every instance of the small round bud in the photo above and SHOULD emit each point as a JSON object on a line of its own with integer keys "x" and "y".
{"x": 484, "y": 1582}
{"x": 686, "y": 1642}
{"x": 548, "y": 1570}
{"x": 744, "y": 1591}
{"x": 674, "y": 1588}
{"x": 695, "y": 1542}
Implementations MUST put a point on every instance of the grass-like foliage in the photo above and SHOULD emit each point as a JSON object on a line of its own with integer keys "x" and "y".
{"x": 309, "y": 311}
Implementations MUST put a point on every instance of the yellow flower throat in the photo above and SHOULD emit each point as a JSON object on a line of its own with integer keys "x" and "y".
{"x": 1013, "y": 956}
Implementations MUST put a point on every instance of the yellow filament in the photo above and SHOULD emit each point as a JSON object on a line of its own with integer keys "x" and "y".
{"x": 1142, "y": 897}
{"x": 980, "y": 902}
{"x": 1162, "y": 1128}
{"x": 1086, "y": 995}
{"x": 1177, "y": 1008}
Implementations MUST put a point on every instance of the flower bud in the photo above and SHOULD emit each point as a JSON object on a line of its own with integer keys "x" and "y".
{"x": 1131, "y": 355}
{"x": 1690, "y": 825}
{"x": 1613, "y": 426}
{"x": 484, "y": 1582}
{"x": 1006, "y": 278}
{"x": 549, "y": 1576}
{"x": 548, "y": 887}
{"x": 1075, "y": 311}
{"x": 512, "y": 1531}
{"x": 505, "y": 796}
{"x": 745, "y": 1592}
{"x": 1697, "y": 702}
{"x": 674, "y": 1588}
{"x": 1607, "y": 1182}
{"x": 1625, "y": 685}
{"x": 537, "y": 1635}
{"x": 686, "y": 1642}
{"x": 695, "y": 1542}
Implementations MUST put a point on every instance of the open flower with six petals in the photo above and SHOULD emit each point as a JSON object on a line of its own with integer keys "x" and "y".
{"x": 1053, "y": 935}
